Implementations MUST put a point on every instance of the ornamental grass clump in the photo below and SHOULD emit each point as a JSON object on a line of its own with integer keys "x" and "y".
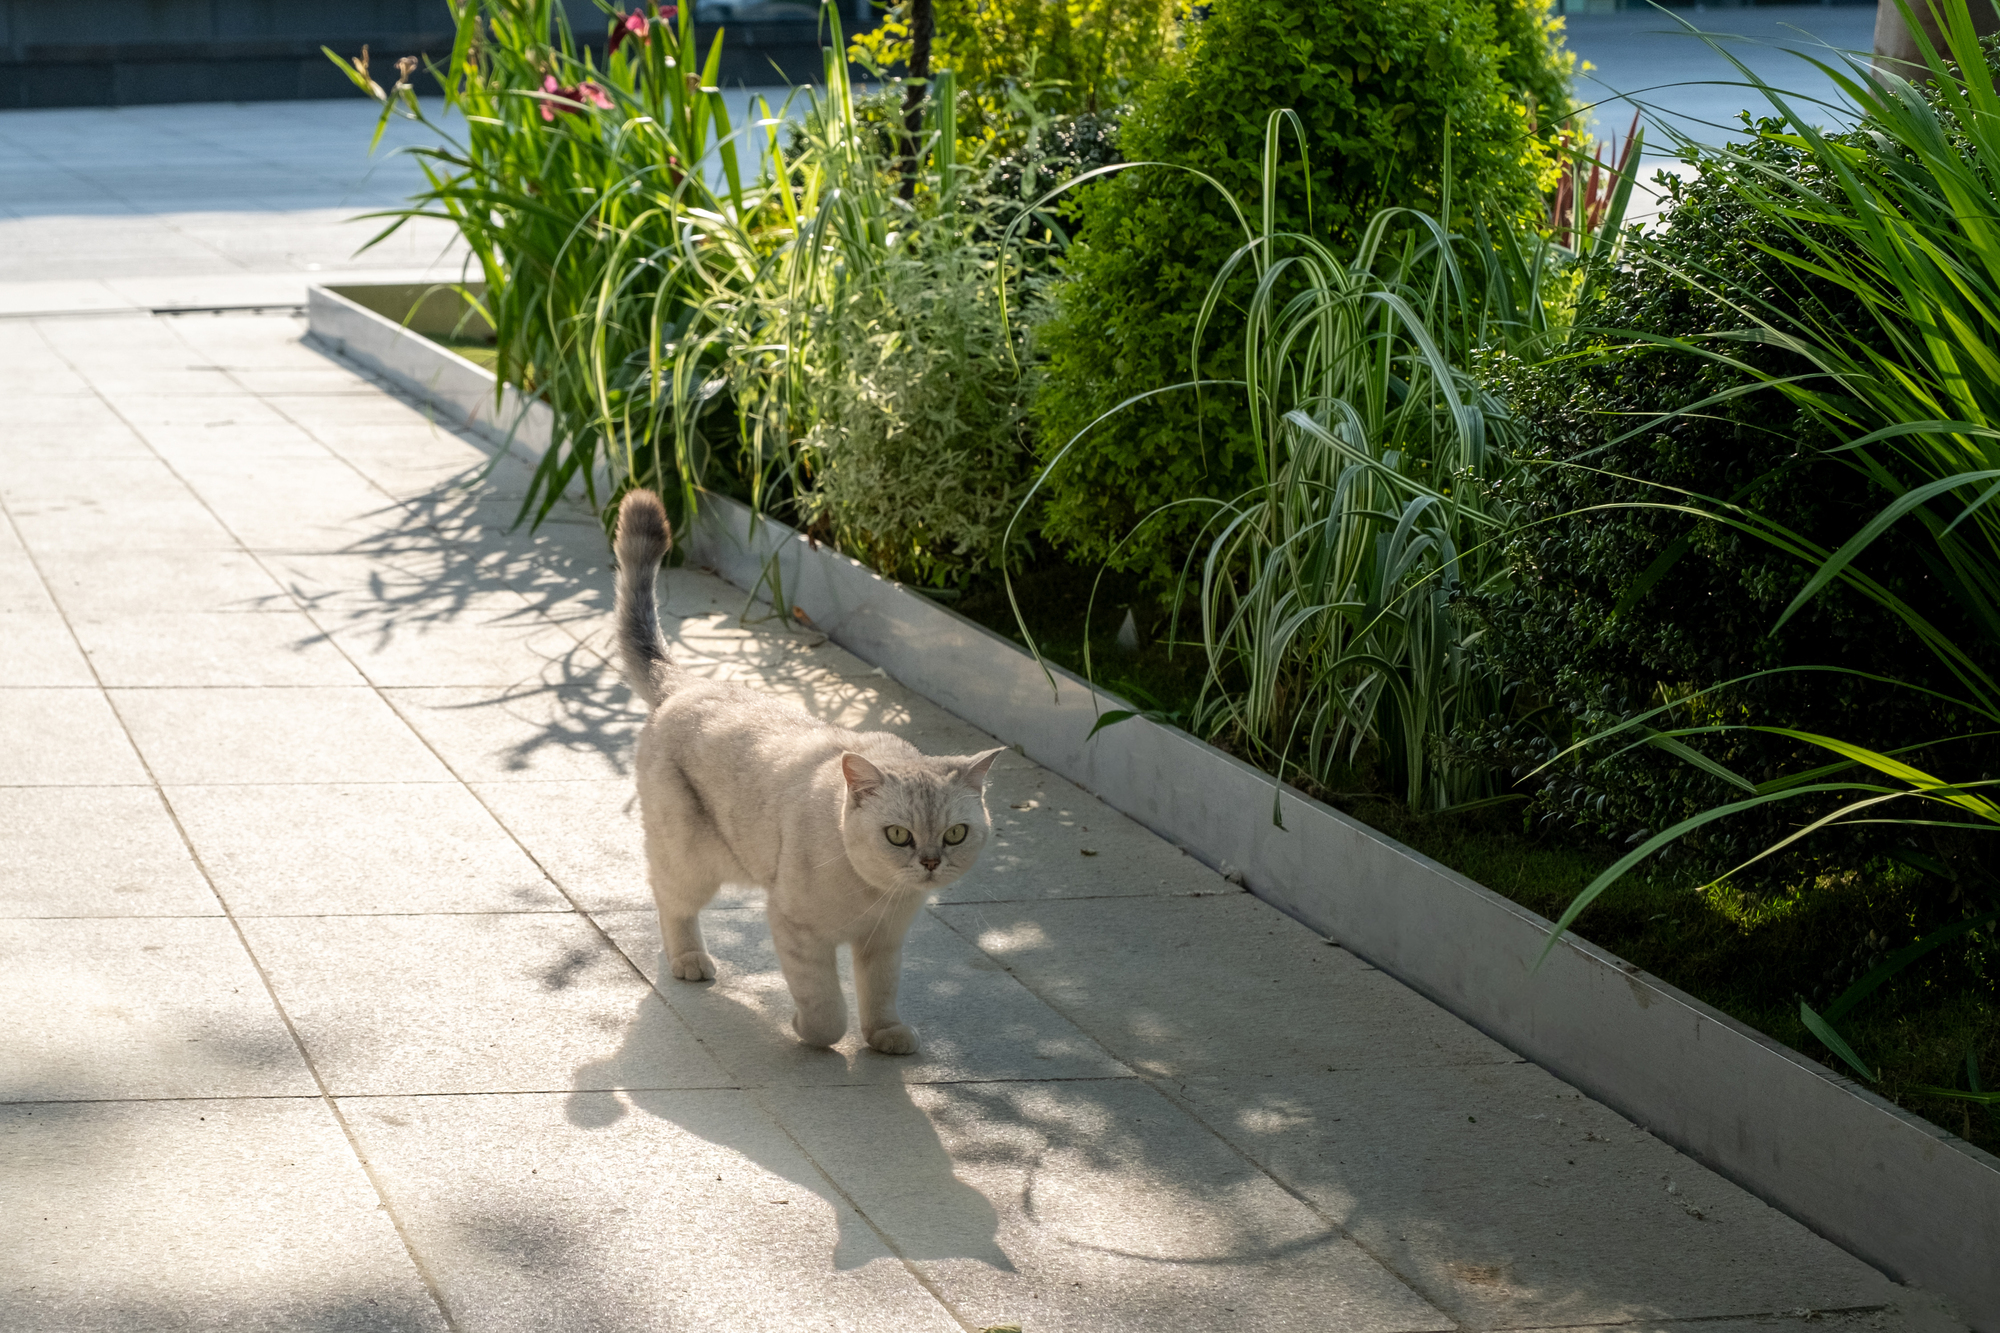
{"x": 1325, "y": 592}
{"x": 593, "y": 199}
{"x": 1390, "y": 91}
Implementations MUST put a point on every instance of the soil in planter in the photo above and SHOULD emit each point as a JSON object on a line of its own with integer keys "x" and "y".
{"x": 1056, "y": 601}
{"x": 1754, "y": 959}
{"x": 481, "y": 352}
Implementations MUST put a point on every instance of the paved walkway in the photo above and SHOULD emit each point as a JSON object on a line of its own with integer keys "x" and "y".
{"x": 149, "y": 207}
{"x": 1644, "y": 58}
{"x": 332, "y": 1000}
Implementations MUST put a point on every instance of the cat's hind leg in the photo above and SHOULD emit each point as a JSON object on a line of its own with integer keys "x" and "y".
{"x": 683, "y": 881}
{"x": 680, "y": 898}
{"x": 687, "y": 859}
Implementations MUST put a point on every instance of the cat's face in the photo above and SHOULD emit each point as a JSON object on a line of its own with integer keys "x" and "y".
{"x": 914, "y": 827}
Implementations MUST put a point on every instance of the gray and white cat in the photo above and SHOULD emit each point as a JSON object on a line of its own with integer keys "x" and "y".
{"x": 846, "y": 832}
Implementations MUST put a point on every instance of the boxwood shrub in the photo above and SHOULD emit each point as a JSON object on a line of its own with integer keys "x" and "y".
{"x": 1612, "y": 606}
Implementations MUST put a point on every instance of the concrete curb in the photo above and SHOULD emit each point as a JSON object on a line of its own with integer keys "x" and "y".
{"x": 401, "y": 353}
{"x": 1918, "y": 1203}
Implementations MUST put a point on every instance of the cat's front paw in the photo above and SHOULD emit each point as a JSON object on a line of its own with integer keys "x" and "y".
{"x": 895, "y": 1039}
{"x": 694, "y": 965}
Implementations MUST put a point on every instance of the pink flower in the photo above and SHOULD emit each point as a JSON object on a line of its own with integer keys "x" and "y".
{"x": 629, "y": 25}
{"x": 576, "y": 94}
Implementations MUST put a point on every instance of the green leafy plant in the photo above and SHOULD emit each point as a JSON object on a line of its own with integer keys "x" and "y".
{"x": 1391, "y": 91}
{"x": 1617, "y": 594}
{"x": 1900, "y": 224}
{"x": 1324, "y": 592}
{"x": 1063, "y": 57}
{"x": 918, "y": 451}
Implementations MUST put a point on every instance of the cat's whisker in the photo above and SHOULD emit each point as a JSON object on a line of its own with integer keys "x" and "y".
{"x": 863, "y": 946}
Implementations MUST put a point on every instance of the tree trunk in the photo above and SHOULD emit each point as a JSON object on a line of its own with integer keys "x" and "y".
{"x": 1896, "y": 47}
{"x": 915, "y": 90}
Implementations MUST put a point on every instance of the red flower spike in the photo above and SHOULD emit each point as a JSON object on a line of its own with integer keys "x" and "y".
{"x": 629, "y": 25}
{"x": 572, "y": 93}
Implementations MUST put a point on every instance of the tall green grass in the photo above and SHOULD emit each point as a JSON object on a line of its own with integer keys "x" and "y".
{"x": 1323, "y": 597}
{"x": 593, "y": 199}
{"x": 673, "y": 309}
{"x": 1907, "y": 222}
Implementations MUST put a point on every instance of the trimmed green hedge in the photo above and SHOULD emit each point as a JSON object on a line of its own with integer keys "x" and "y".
{"x": 1612, "y": 604}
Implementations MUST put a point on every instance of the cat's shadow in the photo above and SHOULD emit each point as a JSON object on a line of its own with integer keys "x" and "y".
{"x": 865, "y": 1129}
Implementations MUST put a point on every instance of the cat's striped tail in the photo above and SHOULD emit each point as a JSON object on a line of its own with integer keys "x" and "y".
{"x": 643, "y": 542}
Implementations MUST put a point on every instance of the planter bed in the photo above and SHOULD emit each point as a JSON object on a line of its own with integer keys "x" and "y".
{"x": 1915, "y": 1201}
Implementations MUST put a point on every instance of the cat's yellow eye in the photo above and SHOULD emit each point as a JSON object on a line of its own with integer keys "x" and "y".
{"x": 956, "y": 834}
{"x": 898, "y": 835}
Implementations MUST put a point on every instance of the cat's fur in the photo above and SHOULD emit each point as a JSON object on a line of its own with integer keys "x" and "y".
{"x": 737, "y": 787}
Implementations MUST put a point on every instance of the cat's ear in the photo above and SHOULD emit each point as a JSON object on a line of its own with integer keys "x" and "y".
{"x": 974, "y": 775}
{"x": 863, "y": 778}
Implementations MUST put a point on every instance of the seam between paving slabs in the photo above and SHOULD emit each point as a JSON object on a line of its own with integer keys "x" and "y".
{"x": 325, "y": 1098}
{"x": 325, "y": 1095}
{"x": 917, "y": 1276}
{"x": 1696, "y": 1322}
{"x": 301, "y": 916}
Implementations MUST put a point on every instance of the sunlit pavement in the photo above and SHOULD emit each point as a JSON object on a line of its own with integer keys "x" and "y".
{"x": 331, "y": 980}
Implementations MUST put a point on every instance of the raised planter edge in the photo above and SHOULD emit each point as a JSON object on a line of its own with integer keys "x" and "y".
{"x": 1915, "y": 1201}
{"x": 456, "y": 387}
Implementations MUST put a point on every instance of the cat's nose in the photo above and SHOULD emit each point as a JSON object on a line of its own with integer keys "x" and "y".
{"x": 928, "y": 862}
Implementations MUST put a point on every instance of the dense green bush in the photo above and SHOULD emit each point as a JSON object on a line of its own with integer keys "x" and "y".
{"x": 1611, "y": 606}
{"x": 1065, "y": 57}
{"x": 919, "y": 448}
{"x": 1379, "y": 86}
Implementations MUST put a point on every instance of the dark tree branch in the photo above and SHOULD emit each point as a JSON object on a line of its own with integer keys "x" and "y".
{"x": 914, "y": 92}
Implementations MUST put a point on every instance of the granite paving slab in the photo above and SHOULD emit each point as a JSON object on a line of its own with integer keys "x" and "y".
{"x": 1511, "y": 1201}
{"x": 137, "y": 1007}
{"x": 606, "y": 1212}
{"x": 132, "y": 1217}
{"x": 385, "y": 848}
{"x": 522, "y": 1002}
{"x": 96, "y": 851}
{"x": 210, "y": 648}
{"x": 302, "y": 734}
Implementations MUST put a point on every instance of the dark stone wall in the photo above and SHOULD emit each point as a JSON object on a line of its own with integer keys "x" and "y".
{"x": 56, "y": 53}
